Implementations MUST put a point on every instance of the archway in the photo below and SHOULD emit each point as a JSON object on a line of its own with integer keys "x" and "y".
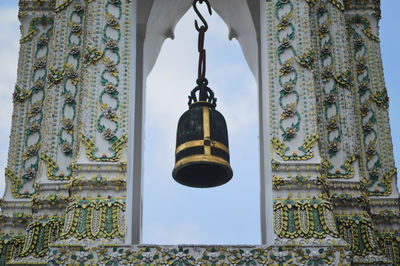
{"x": 156, "y": 21}
{"x": 174, "y": 214}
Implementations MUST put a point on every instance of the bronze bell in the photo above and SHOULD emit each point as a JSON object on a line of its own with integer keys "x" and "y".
{"x": 202, "y": 150}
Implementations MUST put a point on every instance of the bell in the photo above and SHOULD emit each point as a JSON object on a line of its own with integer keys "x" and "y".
{"x": 202, "y": 150}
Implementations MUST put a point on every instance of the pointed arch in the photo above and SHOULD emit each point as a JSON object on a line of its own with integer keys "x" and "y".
{"x": 164, "y": 15}
{"x": 156, "y": 21}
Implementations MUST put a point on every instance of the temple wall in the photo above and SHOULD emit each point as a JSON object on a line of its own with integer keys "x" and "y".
{"x": 332, "y": 172}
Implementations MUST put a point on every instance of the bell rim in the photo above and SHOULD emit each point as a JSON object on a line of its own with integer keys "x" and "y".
{"x": 199, "y": 159}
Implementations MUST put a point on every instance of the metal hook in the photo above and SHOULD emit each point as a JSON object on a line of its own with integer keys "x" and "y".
{"x": 205, "y": 26}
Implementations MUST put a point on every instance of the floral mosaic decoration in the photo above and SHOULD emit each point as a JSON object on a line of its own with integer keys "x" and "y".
{"x": 108, "y": 99}
{"x": 304, "y": 218}
{"x": 288, "y": 75}
{"x": 208, "y": 255}
{"x": 35, "y": 96}
{"x": 94, "y": 219}
{"x": 329, "y": 88}
{"x": 378, "y": 182}
{"x": 70, "y": 91}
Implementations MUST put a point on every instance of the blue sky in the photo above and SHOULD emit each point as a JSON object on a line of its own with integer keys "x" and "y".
{"x": 390, "y": 45}
{"x": 174, "y": 213}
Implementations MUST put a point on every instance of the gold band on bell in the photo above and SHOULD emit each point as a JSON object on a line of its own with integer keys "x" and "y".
{"x": 206, "y": 126}
{"x": 202, "y": 158}
{"x": 195, "y": 143}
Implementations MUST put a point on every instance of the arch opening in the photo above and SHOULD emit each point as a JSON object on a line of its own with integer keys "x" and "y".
{"x": 157, "y": 20}
{"x": 172, "y": 213}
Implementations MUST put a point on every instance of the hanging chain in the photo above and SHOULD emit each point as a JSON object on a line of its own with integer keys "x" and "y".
{"x": 202, "y": 29}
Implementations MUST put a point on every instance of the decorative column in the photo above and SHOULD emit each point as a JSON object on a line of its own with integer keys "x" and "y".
{"x": 96, "y": 210}
{"x": 59, "y": 130}
{"x": 68, "y": 146}
{"x": 27, "y": 129}
{"x": 376, "y": 150}
{"x": 303, "y": 212}
{"x": 339, "y": 144}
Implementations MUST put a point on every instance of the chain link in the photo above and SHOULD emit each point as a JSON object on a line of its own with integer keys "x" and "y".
{"x": 202, "y": 29}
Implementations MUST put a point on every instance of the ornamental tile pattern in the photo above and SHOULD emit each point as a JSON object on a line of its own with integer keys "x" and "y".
{"x": 333, "y": 176}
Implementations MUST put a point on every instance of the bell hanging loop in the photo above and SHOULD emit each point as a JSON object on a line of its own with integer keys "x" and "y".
{"x": 204, "y": 27}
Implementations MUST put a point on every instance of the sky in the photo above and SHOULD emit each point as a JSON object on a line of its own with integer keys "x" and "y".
{"x": 173, "y": 213}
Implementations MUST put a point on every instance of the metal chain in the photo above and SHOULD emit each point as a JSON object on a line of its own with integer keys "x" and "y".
{"x": 202, "y": 29}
